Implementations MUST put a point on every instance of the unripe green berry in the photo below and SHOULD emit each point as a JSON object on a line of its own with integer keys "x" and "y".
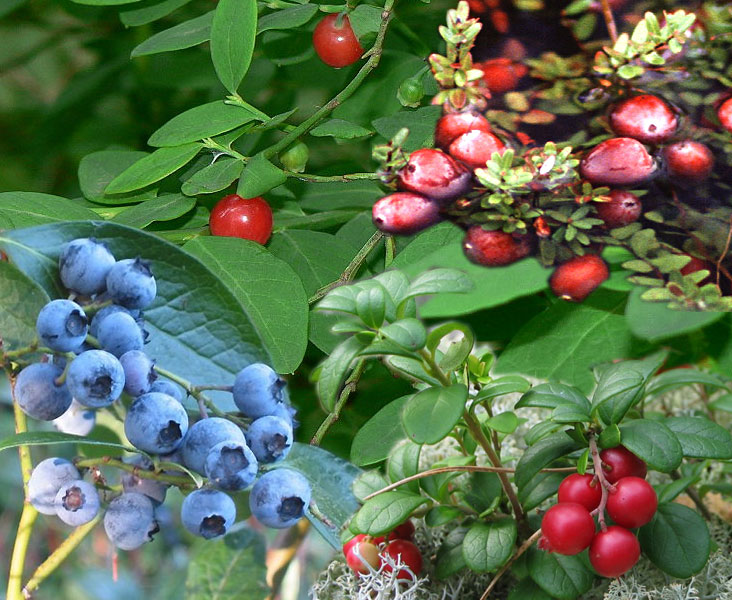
{"x": 410, "y": 92}
{"x": 295, "y": 157}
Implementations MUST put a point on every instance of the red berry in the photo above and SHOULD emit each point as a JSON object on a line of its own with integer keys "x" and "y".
{"x": 697, "y": 264}
{"x": 495, "y": 248}
{"x": 335, "y": 42}
{"x": 405, "y": 531}
{"x": 581, "y": 490}
{"x": 453, "y": 125}
{"x": 363, "y": 555}
{"x": 405, "y": 213}
{"x": 435, "y": 174}
{"x": 410, "y": 556}
{"x": 633, "y": 503}
{"x": 724, "y": 113}
{"x": 645, "y": 118}
{"x": 247, "y": 218}
{"x": 567, "y": 528}
{"x": 476, "y": 147}
{"x": 623, "y": 209}
{"x": 350, "y": 543}
{"x": 578, "y": 277}
{"x": 689, "y": 160}
{"x": 622, "y": 463}
{"x": 501, "y": 74}
{"x": 618, "y": 161}
{"x": 614, "y": 551}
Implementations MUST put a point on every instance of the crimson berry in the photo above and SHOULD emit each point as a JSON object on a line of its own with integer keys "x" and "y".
{"x": 645, "y": 118}
{"x": 618, "y": 161}
{"x": 622, "y": 463}
{"x": 581, "y": 490}
{"x": 689, "y": 160}
{"x": 614, "y": 551}
{"x": 501, "y": 74}
{"x": 335, "y": 42}
{"x": 410, "y": 556}
{"x": 566, "y": 528}
{"x": 623, "y": 209}
{"x": 494, "y": 248}
{"x": 247, "y": 218}
{"x": 578, "y": 277}
{"x": 476, "y": 147}
{"x": 633, "y": 503}
{"x": 354, "y": 540}
{"x": 405, "y": 213}
{"x": 724, "y": 113}
{"x": 435, "y": 174}
{"x": 697, "y": 264}
{"x": 453, "y": 125}
{"x": 361, "y": 556}
{"x": 405, "y": 531}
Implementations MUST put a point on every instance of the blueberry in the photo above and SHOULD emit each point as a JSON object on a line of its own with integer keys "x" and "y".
{"x": 130, "y": 521}
{"x": 258, "y": 390}
{"x": 231, "y": 466}
{"x": 155, "y": 490}
{"x": 287, "y": 412}
{"x": 78, "y": 420}
{"x": 37, "y": 393}
{"x": 84, "y": 264}
{"x": 103, "y": 313}
{"x": 62, "y": 325}
{"x": 204, "y": 435}
{"x": 156, "y": 423}
{"x": 167, "y": 387}
{"x": 139, "y": 372}
{"x": 279, "y": 498}
{"x": 270, "y": 438}
{"x": 77, "y": 502}
{"x": 131, "y": 283}
{"x": 208, "y": 513}
{"x": 95, "y": 378}
{"x": 119, "y": 333}
{"x": 46, "y": 480}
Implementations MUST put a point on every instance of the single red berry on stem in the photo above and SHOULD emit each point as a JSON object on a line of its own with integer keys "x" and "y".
{"x": 247, "y": 218}
{"x": 453, "y": 125}
{"x": 645, "y": 118}
{"x": 495, "y": 248}
{"x": 633, "y": 503}
{"x": 435, "y": 174}
{"x": 405, "y": 531}
{"x": 623, "y": 209}
{"x": 618, "y": 161}
{"x": 567, "y": 528}
{"x": 724, "y": 113}
{"x": 501, "y": 74}
{"x": 335, "y": 43}
{"x": 581, "y": 489}
{"x": 622, "y": 463}
{"x": 410, "y": 556}
{"x": 476, "y": 148}
{"x": 614, "y": 551}
{"x": 578, "y": 277}
{"x": 363, "y": 555}
{"x": 689, "y": 160}
{"x": 405, "y": 213}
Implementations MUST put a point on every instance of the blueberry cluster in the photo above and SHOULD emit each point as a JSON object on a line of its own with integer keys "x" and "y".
{"x": 91, "y": 363}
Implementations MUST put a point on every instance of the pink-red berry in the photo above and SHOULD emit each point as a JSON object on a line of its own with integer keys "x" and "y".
{"x": 502, "y": 74}
{"x": 476, "y": 148}
{"x": 618, "y": 161}
{"x": 614, "y": 551}
{"x": 688, "y": 160}
{"x": 566, "y": 528}
{"x": 578, "y": 277}
{"x": 724, "y": 114}
{"x": 619, "y": 462}
{"x": 362, "y": 555}
{"x": 623, "y": 209}
{"x": 495, "y": 248}
{"x": 410, "y": 556}
{"x": 453, "y": 125}
{"x": 581, "y": 489}
{"x": 247, "y": 218}
{"x": 435, "y": 174}
{"x": 335, "y": 43}
{"x": 633, "y": 502}
{"x": 645, "y": 118}
{"x": 405, "y": 213}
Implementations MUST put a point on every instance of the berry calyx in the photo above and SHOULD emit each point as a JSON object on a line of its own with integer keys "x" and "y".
{"x": 566, "y": 528}
{"x": 475, "y": 148}
{"x": 405, "y": 213}
{"x": 362, "y": 557}
{"x": 620, "y": 462}
{"x": 633, "y": 503}
{"x": 623, "y": 209}
{"x": 453, "y": 125}
{"x": 689, "y": 160}
{"x": 614, "y": 551}
{"x": 724, "y": 114}
{"x": 409, "y": 554}
{"x": 494, "y": 248}
{"x": 434, "y": 174}
{"x": 581, "y": 489}
{"x": 578, "y": 277}
{"x": 502, "y": 74}
{"x": 645, "y": 118}
{"x": 618, "y": 161}
{"x": 335, "y": 43}
{"x": 246, "y": 218}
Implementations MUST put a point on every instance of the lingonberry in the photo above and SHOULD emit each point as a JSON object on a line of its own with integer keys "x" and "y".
{"x": 688, "y": 160}
{"x": 578, "y": 277}
{"x": 405, "y": 213}
{"x": 623, "y": 209}
{"x": 247, "y": 218}
{"x": 580, "y": 489}
{"x": 405, "y": 531}
{"x": 476, "y": 148}
{"x": 354, "y": 540}
{"x": 335, "y": 43}
{"x": 618, "y": 161}
{"x": 697, "y": 264}
{"x": 620, "y": 462}
{"x": 363, "y": 556}
{"x": 409, "y": 554}
{"x": 633, "y": 503}
{"x": 566, "y": 528}
{"x": 724, "y": 114}
{"x": 435, "y": 174}
{"x": 502, "y": 74}
{"x": 494, "y": 248}
{"x": 645, "y": 118}
{"x": 614, "y": 551}
{"x": 453, "y": 125}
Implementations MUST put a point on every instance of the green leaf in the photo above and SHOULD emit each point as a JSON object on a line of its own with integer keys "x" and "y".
{"x": 436, "y": 281}
{"x": 619, "y": 387}
{"x": 49, "y": 438}
{"x": 185, "y": 35}
{"x": 152, "y": 168}
{"x": 365, "y": 19}
{"x": 340, "y": 194}
{"x": 722, "y": 403}
{"x": 511, "y": 384}
{"x": 563, "y": 577}
{"x": 541, "y": 455}
{"x": 104, "y": 2}
{"x": 98, "y": 169}
{"x": 371, "y": 306}
{"x": 407, "y": 333}
{"x": 25, "y": 209}
{"x": 403, "y": 462}
{"x": 505, "y": 422}
{"x": 338, "y": 128}
{"x": 259, "y": 177}
{"x": 669, "y": 491}
{"x": 148, "y": 11}
{"x": 367, "y": 483}
{"x": 701, "y": 438}
{"x": 233, "y": 33}
{"x": 232, "y": 567}
{"x": 213, "y": 178}
{"x": 541, "y": 487}
{"x": 676, "y": 540}
{"x": 269, "y": 291}
{"x": 375, "y": 438}
{"x": 441, "y": 515}
{"x": 287, "y": 18}
{"x": 334, "y": 369}
{"x": 676, "y": 378}
{"x": 430, "y": 415}
{"x": 384, "y": 512}
{"x": 421, "y": 124}
{"x": 526, "y": 589}
{"x": 482, "y": 491}
{"x": 450, "y": 558}
{"x": 653, "y": 443}
{"x": 20, "y": 302}
{"x": 163, "y": 208}
{"x": 552, "y": 395}
{"x": 488, "y": 545}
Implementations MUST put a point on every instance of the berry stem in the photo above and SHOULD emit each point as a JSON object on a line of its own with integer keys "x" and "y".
{"x": 348, "y": 389}
{"x": 607, "y": 14}
{"x": 605, "y": 486}
{"x": 523, "y": 548}
{"x": 183, "y": 481}
{"x": 328, "y": 178}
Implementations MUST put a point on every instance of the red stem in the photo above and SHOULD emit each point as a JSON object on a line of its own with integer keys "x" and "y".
{"x": 605, "y": 486}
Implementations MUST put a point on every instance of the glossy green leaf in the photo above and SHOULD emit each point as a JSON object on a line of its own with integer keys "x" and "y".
{"x": 384, "y": 512}
{"x": 49, "y": 438}
{"x": 511, "y": 384}
{"x": 505, "y": 422}
{"x": 676, "y": 378}
{"x": 338, "y": 128}
{"x": 184, "y": 35}
{"x": 26, "y": 209}
{"x": 488, "y": 545}
{"x": 562, "y": 577}
{"x": 367, "y": 483}
{"x": 653, "y": 443}
{"x": 20, "y": 302}
{"x": 213, "y": 178}
{"x": 552, "y": 395}
{"x": 98, "y": 169}
{"x": 619, "y": 388}
{"x": 334, "y": 370}
{"x": 450, "y": 558}
{"x": 162, "y": 208}
{"x": 233, "y": 33}
{"x": 371, "y": 305}
{"x": 287, "y": 18}
{"x": 104, "y": 2}
{"x": 338, "y": 195}
{"x": 482, "y": 491}
{"x": 148, "y": 11}
{"x": 436, "y": 281}
{"x": 541, "y": 455}
{"x": 526, "y": 589}
{"x": 701, "y": 438}
{"x": 408, "y": 333}
{"x": 403, "y": 462}
{"x": 259, "y": 177}
{"x": 539, "y": 488}
{"x": 722, "y": 403}
{"x": 152, "y": 168}
{"x": 432, "y": 413}
{"x": 375, "y": 438}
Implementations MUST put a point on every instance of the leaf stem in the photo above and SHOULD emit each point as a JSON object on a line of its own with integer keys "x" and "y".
{"x": 178, "y": 480}
{"x": 329, "y": 178}
{"x": 348, "y": 389}
{"x": 523, "y": 548}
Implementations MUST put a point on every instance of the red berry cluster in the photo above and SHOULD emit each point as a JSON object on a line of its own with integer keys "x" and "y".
{"x": 568, "y": 527}
{"x": 364, "y": 553}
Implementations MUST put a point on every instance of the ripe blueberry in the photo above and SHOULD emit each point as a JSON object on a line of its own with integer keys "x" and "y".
{"x": 46, "y": 480}
{"x": 119, "y": 333}
{"x": 645, "y": 118}
{"x": 203, "y": 436}
{"x": 270, "y": 438}
{"x": 62, "y": 325}
{"x": 476, "y": 148}
{"x": 139, "y": 372}
{"x": 37, "y": 393}
{"x": 130, "y": 521}
{"x": 435, "y": 174}
{"x": 108, "y": 310}
{"x": 95, "y": 378}
{"x": 231, "y": 466}
{"x": 156, "y": 423}
{"x": 578, "y": 277}
{"x": 208, "y": 513}
{"x": 618, "y": 161}
{"x": 279, "y": 498}
{"x": 258, "y": 390}
{"x": 130, "y": 283}
{"x": 167, "y": 387}
{"x": 405, "y": 213}
{"x": 83, "y": 266}
{"x": 77, "y": 502}
{"x": 495, "y": 248}
{"x": 155, "y": 490}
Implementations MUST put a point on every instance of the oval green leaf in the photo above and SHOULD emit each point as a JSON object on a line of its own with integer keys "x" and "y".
{"x": 652, "y": 442}
{"x": 152, "y": 168}
{"x": 233, "y": 33}
{"x": 430, "y": 415}
{"x": 488, "y": 545}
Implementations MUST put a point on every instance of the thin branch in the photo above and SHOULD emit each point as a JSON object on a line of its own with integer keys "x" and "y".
{"x": 605, "y": 485}
{"x": 330, "y": 178}
{"x": 607, "y": 14}
{"x": 347, "y": 390}
{"x": 179, "y": 480}
{"x": 524, "y": 547}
